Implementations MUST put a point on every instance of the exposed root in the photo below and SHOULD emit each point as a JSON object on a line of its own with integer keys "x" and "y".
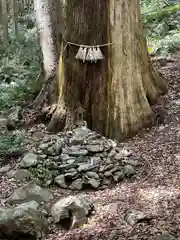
{"x": 42, "y": 96}
{"x": 58, "y": 120}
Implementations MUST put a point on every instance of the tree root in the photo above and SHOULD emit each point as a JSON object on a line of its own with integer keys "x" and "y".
{"x": 58, "y": 120}
{"x": 42, "y": 96}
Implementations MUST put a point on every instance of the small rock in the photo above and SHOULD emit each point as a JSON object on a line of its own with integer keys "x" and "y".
{"x": 67, "y": 166}
{"x": 112, "y": 153}
{"x": 166, "y": 236}
{"x": 106, "y": 181}
{"x": 76, "y": 151}
{"x": 48, "y": 182}
{"x": 50, "y": 151}
{"x": 73, "y": 209}
{"x": 108, "y": 167}
{"x": 161, "y": 128}
{"x": 19, "y": 174}
{"x": 93, "y": 183}
{"x": 85, "y": 167}
{"x": 44, "y": 146}
{"x": 95, "y": 148}
{"x": 5, "y": 169}
{"x": 118, "y": 176}
{"x": 129, "y": 170}
{"x": 71, "y": 170}
{"x": 81, "y": 132}
{"x": 77, "y": 184}
{"x": 71, "y": 175}
{"x": 51, "y": 165}
{"x": 102, "y": 168}
{"x": 81, "y": 159}
{"x": 119, "y": 156}
{"x": 60, "y": 181}
{"x": 29, "y": 160}
{"x": 71, "y": 161}
{"x": 132, "y": 162}
{"x": 133, "y": 216}
{"x": 65, "y": 157}
{"x": 58, "y": 147}
{"x": 28, "y": 192}
{"x": 122, "y": 154}
{"x": 43, "y": 156}
{"x": 107, "y": 174}
{"x": 93, "y": 175}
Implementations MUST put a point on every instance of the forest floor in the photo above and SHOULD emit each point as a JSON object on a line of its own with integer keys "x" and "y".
{"x": 156, "y": 192}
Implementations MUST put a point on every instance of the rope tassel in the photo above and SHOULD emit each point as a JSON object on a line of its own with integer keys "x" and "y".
{"x": 98, "y": 54}
{"x": 84, "y": 54}
{"x": 79, "y": 54}
{"x": 90, "y": 55}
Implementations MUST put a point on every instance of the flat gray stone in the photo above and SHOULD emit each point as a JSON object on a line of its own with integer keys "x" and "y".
{"x": 85, "y": 167}
{"x": 108, "y": 167}
{"x": 93, "y": 183}
{"x": 118, "y": 176}
{"x": 29, "y": 160}
{"x": 93, "y": 175}
{"x": 71, "y": 175}
{"x": 81, "y": 132}
{"x": 108, "y": 174}
{"x": 28, "y": 192}
{"x": 77, "y": 184}
{"x": 67, "y": 166}
{"x": 5, "y": 169}
{"x": 60, "y": 181}
{"x": 129, "y": 170}
{"x": 19, "y": 174}
{"x": 95, "y": 148}
{"x": 106, "y": 181}
{"x": 79, "y": 152}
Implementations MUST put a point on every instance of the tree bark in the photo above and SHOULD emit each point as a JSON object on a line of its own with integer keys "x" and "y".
{"x": 112, "y": 95}
{"x": 50, "y": 27}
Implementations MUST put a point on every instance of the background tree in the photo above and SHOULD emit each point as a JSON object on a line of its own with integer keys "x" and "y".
{"x": 4, "y": 20}
{"x": 49, "y": 24}
{"x": 114, "y": 93}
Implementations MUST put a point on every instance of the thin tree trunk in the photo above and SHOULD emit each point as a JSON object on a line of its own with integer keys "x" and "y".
{"x": 14, "y": 14}
{"x": 4, "y": 22}
{"x": 47, "y": 26}
{"x": 114, "y": 94}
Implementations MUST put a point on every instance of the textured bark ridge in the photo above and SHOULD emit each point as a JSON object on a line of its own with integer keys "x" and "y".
{"x": 115, "y": 93}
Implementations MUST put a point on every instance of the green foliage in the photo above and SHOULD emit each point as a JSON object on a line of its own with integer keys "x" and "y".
{"x": 42, "y": 174}
{"x": 148, "y": 6}
{"x": 169, "y": 44}
{"x": 161, "y": 26}
{"x": 10, "y": 142}
{"x": 19, "y": 66}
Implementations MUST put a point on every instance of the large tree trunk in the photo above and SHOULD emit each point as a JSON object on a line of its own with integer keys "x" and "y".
{"x": 114, "y": 93}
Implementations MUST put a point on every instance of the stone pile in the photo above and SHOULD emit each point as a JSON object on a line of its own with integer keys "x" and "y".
{"x": 82, "y": 159}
